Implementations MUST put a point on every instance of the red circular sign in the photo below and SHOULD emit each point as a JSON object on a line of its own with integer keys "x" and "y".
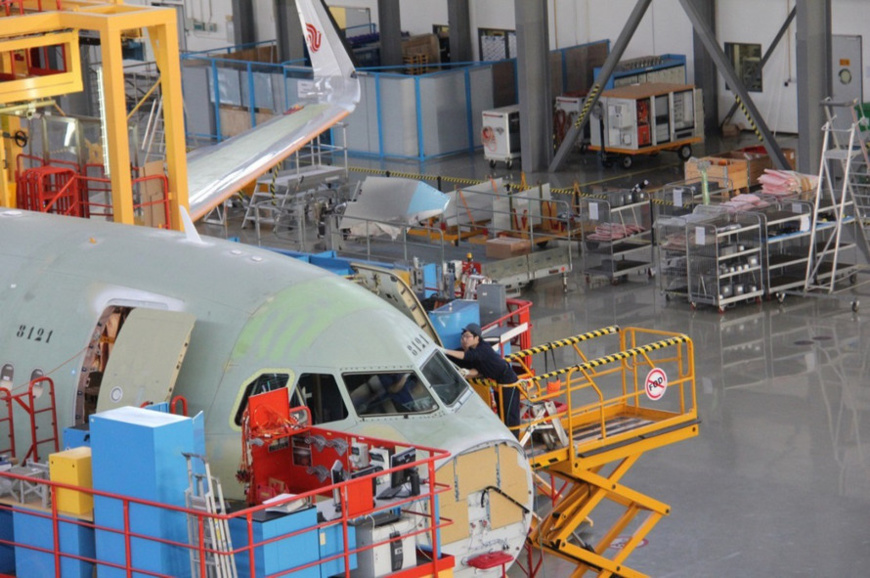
{"x": 656, "y": 384}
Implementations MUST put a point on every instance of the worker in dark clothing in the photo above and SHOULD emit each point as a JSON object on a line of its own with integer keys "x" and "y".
{"x": 481, "y": 360}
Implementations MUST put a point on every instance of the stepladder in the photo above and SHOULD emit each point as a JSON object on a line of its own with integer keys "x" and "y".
{"x": 209, "y": 536}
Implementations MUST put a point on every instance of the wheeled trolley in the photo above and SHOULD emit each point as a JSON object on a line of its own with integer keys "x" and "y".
{"x": 500, "y": 135}
{"x": 644, "y": 119}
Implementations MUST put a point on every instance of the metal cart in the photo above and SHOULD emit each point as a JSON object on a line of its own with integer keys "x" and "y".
{"x": 617, "y": 233}
{"x": 786, "y": 231}
{"x": 725, "y": 258}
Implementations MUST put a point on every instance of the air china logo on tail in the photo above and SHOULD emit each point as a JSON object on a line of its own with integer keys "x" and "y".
{"x": 314, "y": 37}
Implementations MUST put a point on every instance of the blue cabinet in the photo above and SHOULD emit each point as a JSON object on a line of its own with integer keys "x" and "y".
{"x": 331, "y": 542}
{"x": 139, "y": 453}
{"x": 283, "y": 554}
{"x": 35, "y": 529}
{"x": 7, "y": 552}
{"x": 449, "y": 320}
{"x": 77, "y": 436}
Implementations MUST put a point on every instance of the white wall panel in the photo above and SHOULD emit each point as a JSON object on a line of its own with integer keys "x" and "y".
{"x": 664, "y": 29}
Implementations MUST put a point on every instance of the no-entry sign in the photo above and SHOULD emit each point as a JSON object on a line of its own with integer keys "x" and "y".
{"x": 656, "y": 384}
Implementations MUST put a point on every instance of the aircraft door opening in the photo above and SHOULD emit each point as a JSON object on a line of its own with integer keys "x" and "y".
{"x": 134, "y": 358}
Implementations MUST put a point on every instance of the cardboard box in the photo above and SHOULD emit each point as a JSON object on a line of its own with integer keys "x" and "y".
{"x": 151, "y": 191}
{"x": 504, "y": 247}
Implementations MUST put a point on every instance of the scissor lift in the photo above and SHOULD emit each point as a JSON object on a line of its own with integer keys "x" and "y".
{"x": 587, "y": 423}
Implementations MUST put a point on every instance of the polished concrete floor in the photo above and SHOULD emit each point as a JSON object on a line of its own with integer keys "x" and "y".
{"x": 778, "y": 481}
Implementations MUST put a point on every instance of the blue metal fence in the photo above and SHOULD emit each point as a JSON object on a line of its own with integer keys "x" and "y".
{"x": 431, "y": 115}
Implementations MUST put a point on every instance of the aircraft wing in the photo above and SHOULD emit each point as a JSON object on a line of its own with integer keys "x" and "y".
{"x": 217, "y": 172}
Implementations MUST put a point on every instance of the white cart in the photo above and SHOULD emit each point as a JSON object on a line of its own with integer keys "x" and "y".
{"x": 500, "y": 135}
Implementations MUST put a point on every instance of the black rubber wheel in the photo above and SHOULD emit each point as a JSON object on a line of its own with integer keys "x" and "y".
{"x": 627, "y": 161}
{"x": 492, "y": 164}
{"x": 685, "y": 152}
{"x": 509, "y": 163}
{"x": 855, "y": 305}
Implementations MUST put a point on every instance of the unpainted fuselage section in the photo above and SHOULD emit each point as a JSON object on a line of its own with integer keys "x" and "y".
{"x": 69, "y": 289}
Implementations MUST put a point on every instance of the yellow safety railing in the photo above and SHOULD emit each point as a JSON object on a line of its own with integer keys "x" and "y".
{"x": 593, "y": 400}
{"x": 606, "y": 410}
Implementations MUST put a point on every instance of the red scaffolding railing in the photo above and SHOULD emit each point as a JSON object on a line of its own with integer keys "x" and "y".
{"x": 7, "y": 420}
{"x": 28, "y": 400}
{"x": 50, "y": 189}
{"x": 63, "y": 187}
{"x": 49, "y": 524}
{"x": 8, "y": 6}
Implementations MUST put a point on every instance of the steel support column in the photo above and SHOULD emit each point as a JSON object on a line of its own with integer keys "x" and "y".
{"x": 243, "y": 22}
{"x": 705, "y": 34}
{"x": 390, "y": 27}
{"x": 705, "y": 69}
{"x": 459, "y": 23}
{"x": 536, "y": 117}
{"x": 595, "y": 92}
{"x": 288, "y": 33}
{"x": 813, "y": 78}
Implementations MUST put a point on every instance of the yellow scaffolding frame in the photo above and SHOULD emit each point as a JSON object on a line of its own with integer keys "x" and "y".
{"x": 608, "y": 410}
{"x": 112, "y": 20}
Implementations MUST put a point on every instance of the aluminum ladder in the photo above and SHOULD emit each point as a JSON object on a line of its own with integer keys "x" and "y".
{"x": 204, "y": 494}
{"x": 843, "y": 196}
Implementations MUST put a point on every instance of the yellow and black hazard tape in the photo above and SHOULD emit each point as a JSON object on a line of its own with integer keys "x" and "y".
{"x": 749, "y": 118}
{"x": 562, "y": 342}
{"x": 612, "y": 358}
{"x": 593, "y": 93}
{"x": 272, "y": 184}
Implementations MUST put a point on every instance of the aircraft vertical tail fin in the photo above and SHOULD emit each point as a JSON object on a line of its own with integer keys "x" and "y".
{"x": 331, "y": 62}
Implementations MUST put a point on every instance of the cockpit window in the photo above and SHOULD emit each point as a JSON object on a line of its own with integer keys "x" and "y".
{"x": 261, "y": 384}
{"x": 386, "y": 393}
{"x": 444, "y": 379}
{"x": 319, "y": 391}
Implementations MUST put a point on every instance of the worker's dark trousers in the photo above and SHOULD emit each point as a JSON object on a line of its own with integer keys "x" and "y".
{"x": 512, "y": 407}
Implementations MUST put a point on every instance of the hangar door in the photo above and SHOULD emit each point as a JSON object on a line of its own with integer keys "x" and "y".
{"x": 146, "y": 358}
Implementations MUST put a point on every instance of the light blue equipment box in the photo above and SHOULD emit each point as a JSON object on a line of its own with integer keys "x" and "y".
{"x": 449, "y": 320}
{"x": 74, "y": 537}
{"x": 139, "y": 453}
{"x": 281, "y": 555}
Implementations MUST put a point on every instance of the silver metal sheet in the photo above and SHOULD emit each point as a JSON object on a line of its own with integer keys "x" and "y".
{"x": 386, "y": 204}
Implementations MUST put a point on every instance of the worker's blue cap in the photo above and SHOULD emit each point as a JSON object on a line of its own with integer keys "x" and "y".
{"x": 472, "y": 328}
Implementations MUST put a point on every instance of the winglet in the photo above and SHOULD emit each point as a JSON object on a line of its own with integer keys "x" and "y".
{"x": 334, "y": 73}
{"x": 190, "y": 232}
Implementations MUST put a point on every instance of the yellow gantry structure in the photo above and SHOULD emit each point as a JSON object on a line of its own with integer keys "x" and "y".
{"x": 587, "y": 422}
{"x": 33, "y": 24}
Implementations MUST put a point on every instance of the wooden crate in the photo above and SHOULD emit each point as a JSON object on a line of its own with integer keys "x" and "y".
{"x": 741, "y": 167}
{"x": 721, "y": 169}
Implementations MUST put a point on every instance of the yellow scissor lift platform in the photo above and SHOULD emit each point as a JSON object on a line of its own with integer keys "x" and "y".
{"x": 587, "y": 421}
